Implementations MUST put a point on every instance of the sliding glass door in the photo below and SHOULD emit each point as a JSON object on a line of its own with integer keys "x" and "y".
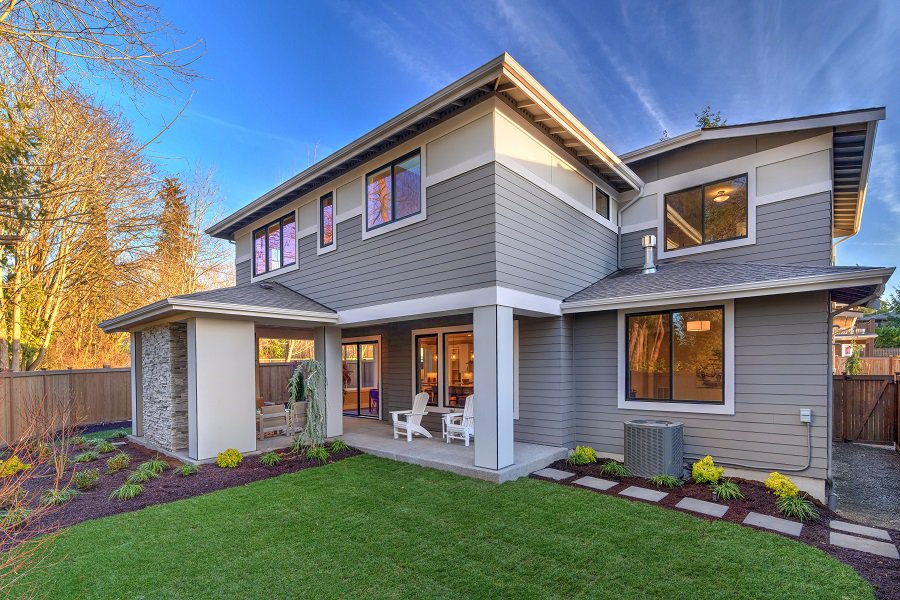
{"x": 361, "y": 374}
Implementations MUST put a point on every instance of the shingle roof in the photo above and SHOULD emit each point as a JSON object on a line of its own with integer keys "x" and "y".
{"x": 260, "y": 294}
{"x": 694, "y": 276}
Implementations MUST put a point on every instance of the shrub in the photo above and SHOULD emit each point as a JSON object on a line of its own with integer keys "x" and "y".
{"x": 57, "y": 497}
{"x": 86, "y": 457}
{"x": 318, "y": 453}
{"x": 781, "y": 485}
{"x": 726, "y": 490}
{"x": 78, "y": 440}
{"x": 126, "y": 491}
{"x": 270, "y": 459}
{"x": 84, "y": 480}
{"x": 155, "y": 465}
{"x": 141, "y": 475}
{"x": 229, "y": 459}
{"x": 666, "y": 481}
{"x": 339, "y": 445}
{"x": 117, "y": 462}
{"x": 582, "y": 455}
{"x": 614, "y": 468}
{"x": 11, "y": 466}
{"x": 706, "y": 471}
{"x": 118, "y": 434}
{"x": 15, "y": 516}
{"x": 187, "y": 469}
{"x": 104, "y": 447}
{"x": 797, "y": 507}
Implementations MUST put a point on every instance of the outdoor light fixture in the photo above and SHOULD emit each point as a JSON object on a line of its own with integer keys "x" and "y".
{"x": 721, "y": 196}
{"x": 698, "y": 325}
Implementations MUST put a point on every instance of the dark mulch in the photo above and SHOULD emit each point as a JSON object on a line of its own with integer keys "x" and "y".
{"x": 169, "y": 486}
{"x": 882, "y": 573}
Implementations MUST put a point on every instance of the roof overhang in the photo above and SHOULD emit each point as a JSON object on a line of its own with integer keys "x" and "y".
{"x": 178, "y": 308}
{"x": 870, "y": 279}
{"x": 502, "y": 78}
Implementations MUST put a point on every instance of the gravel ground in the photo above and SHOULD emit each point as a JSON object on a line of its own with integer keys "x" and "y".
{"x": 867, "y": 483}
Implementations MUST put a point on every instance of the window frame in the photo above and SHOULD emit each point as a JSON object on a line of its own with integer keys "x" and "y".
{"x": 608, "y": 214}
{"x": 391, "y": 165}
{"x": 265, "y": 229}
{"x": 321, "y": 228}
{"x": 702, "y": 187}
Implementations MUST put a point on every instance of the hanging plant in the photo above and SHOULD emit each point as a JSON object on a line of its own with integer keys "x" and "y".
{"x": 304, "y": 385}
{"x": 296, "y": 387}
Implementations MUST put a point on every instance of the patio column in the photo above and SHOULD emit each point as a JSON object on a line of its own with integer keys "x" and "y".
{"x": 493, "y": 327}
{"x": 328, "y": 352}
{"x": 137, "y": 385}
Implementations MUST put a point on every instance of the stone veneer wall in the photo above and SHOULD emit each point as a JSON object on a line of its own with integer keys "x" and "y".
{"x": 165, "y": 393}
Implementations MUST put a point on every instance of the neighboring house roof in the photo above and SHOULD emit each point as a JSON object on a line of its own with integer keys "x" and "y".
{"x": 853, "y": 140}
{"x": 263, "y": 300}
{"x": 503, "y": 78}
{"x": 701, "y": 281}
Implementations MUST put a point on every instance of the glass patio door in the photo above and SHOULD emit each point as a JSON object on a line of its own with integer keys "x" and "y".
{"x": 360, "y": 374}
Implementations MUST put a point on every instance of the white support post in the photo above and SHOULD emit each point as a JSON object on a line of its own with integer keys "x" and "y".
{"x": 328, "y": 352}
{"x": 493, "y": 327}
{"x": 137, "y": 385}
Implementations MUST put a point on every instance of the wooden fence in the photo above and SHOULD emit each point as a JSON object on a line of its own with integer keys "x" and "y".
{"x": 99, "y": 395}
{"x": 273, "y": 381}
{"x": 865, "y": 408}
{"x": 871, "y": 365}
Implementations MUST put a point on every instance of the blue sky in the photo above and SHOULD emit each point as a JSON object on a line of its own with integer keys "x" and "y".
{"x": 283, "y": 81}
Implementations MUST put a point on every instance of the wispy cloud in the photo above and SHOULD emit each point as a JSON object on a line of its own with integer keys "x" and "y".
{"x": 243, "y": 128}
{"x": 883, "y": 179}
{"x": 644, "y": 95}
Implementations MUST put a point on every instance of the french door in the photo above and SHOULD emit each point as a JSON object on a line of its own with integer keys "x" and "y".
{"x": 361, "y": 375}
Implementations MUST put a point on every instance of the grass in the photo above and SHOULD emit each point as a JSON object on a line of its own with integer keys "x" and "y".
{"x": 106, "y": 434}
{"x": 425, "y": 533}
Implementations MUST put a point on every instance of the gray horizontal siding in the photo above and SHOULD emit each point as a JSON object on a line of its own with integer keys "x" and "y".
{"x": 795, "y": 231}
{"x": 545, "y": 246}
{"x": 781, "y": 366}
{"x": 242, "y": 272}
{"x": 452, "y": 250}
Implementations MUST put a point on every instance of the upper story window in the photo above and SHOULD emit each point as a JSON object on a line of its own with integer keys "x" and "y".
{"x": 394, "y": 191}
{"x": 601, "y": 202}
{"x": 714, "y": 212}
{"x": 275, "y": 245}
{"x": 326, "y": 220}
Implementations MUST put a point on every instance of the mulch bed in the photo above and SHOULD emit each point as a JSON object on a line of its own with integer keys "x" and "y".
{"x": 882, "y": 573}
{"x": 169, "y": 486}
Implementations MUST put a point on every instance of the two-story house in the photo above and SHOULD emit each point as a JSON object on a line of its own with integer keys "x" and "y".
{"x": 486, "y": 242}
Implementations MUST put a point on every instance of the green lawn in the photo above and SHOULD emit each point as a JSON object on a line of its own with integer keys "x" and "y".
{"x": 106, "y": 433}
{"x": 369, "y": 527}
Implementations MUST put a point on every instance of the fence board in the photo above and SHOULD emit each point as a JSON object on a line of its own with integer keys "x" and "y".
{"x": 871, "y": 365}
{"x": 865, "y": 408}
{"x": 273, "y": 381}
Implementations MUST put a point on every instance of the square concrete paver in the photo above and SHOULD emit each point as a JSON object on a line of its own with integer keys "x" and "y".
{"x": 863, "y": 545}
{"x": 553, "y": 474}
{"x": 861, "y": 530}
{"x": 643, "y": 494}
{"x": 596, "y": 483}
{"x": 703, "y": 507}
{"x": 774, "y": 523}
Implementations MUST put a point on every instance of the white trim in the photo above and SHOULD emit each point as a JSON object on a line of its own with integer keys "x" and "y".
{"x": 320, "y": 250}
{"x": 440, "y": 332}
{"x": 797, "y": 192}
{"x": 363, "y": 340}
{"x": 281, "y": 270}
{"x": 723, "y": 292}
{"x": 516, "y": 355}
{"x": 638, "y": 226}
{"x": 728, "y": 365}
{"x": 396, "y": 224}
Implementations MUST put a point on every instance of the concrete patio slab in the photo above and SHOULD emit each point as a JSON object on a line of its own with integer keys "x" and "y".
{"x": 774, "y": 523}
{"x": 871, "y": 532}
{"x": 596, "y": 483}
{"x": 554, "y": 474}
{"x": 710, "y": 509}
{"x": 643, "y": 494}
{"x": 863, "y": 545}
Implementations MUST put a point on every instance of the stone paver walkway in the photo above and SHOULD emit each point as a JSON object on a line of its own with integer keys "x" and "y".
{"x": 554, "y": 474}
{"x": 774, "y": 523}
{"x": 596, "y": 483}
{"x": 643, "y": 493}
{"x": 710, "y": 509}
{"x": 871, "y": 532}
{"x": 843, "y": 540}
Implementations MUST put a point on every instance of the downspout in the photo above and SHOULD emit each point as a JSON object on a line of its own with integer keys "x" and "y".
{"x": 621, "y": 210}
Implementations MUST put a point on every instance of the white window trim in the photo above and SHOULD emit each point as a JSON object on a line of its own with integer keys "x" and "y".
{"x": 281, "y": 271}
{"x": 363, "y": 339}
{"x": 395, "y": 225}
{"x": 320, "y": 250}
{"x": 728, "y": 363}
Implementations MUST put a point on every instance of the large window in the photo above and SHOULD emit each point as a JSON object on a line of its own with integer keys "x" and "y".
{"x": 714, "y": 212}
{"x": 394, "y": 191}
{"x": 601, "y": 202}
{"x": 275, "y": 245}
{"x": 326, "y": 220}
{"x": 676, "y": 356}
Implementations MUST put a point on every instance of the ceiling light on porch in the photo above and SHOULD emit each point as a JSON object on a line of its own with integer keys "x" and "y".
{"x": 721, "y": 196}
{"x": 698, "y": 325}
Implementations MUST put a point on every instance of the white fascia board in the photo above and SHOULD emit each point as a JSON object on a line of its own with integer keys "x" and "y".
{"x": 744, "y": 290}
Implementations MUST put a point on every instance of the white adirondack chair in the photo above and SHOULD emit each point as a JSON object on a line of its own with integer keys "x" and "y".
{"x": 410, "y": 421}
{"x": 461, "y": 426}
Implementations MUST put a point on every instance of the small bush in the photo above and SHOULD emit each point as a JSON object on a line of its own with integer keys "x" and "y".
{"x": 118, "y": 434}
{"x": 155, "y": 465}
{"x": 11, "y": 466}
{"x": 666, "y": 481}
{"x": 797, "y": 507}
{"x": 104, "y": 447}
{"x": 582, "y": 455}
{"x": 270, "y": 459}
{"x": 15, "y": 516}
{"x": 781, "y": 485}
{"x": 726, "y": 490}
{"x": 126, "y": 491}
{"x": 117, "y": 462}
{"x": 318, "y": 453}
{"x": 706, "y": 471}
{"x": 11, "y": 496}
{"x": 141, "y": 475}
{"x": 339, "y": 445}
{"x": 85, "y": 480}
{"x": 86, "y": 457}
{"x": 229, "y": 459}
{"x": 57, "y": 497}
{"x": 614, "y": 468}
{"x": 187, "y": 469}
{"x": 77, "y": 441}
